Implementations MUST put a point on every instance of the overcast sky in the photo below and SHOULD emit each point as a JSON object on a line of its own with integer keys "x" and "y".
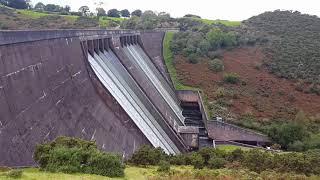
{"x": 210, "y": 9}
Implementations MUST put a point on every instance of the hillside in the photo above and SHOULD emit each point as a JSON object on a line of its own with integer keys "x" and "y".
{"x": 12, "y": 19}
{"x": 294, "y": 49}
{"x": 261, "y": 75}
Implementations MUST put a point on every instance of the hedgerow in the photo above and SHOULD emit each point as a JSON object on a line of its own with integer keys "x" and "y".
{"x": 255, "y": 160}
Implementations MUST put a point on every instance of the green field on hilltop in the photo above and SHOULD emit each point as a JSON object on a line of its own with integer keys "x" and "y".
{"x": 225, "y": 22}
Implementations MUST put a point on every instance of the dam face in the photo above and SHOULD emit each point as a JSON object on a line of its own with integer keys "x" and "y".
{"x": 111, "y": 87}
{"x": 96, "y": 85}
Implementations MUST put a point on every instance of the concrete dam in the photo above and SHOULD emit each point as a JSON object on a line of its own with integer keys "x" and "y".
{"x": 108, "y": 86}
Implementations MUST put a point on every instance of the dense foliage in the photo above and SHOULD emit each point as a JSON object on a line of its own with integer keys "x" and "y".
{"x": 255, "y": 160}
{"x": 18, "y": 4}
{"x": 198, "y": 39}
{"x": 72, "y": 155}
{"x": 294, "y": 47}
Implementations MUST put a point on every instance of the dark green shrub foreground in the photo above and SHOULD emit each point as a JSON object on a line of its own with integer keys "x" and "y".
{"x": 72, "y": 155}
{"x": 164, "y": 166}
{"x": 216, "y": 65}
{"x": 255, "y": 160}
{"x": 231, "y": 78}
{"x": 15, "y": 173}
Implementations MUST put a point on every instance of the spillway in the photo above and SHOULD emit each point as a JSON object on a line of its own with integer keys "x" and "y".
{"x": 117, "y": 81}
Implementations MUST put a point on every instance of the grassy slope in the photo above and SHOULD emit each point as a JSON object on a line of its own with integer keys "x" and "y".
{"x": 169, "y": 60}
{"x": 22, "y": 18}
{"x": 225, "y": 22}
{"x": 181, "y": 172}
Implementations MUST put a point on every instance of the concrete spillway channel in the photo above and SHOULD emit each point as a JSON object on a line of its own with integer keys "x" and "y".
{"x": 141, "y": 61}
{"x": 122, "y": 86}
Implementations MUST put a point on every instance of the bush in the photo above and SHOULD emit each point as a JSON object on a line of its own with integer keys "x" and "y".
{"x": 216, "y": 163}
{"x": 72, "y": 155}
{"x": 193, "y": 59}
{"x": 236, "y": 155}
{"x": 216, "y": 65}
{"x": 147, "y": 155}
{"x": 231, "y": 78}
{"x": 180, "y": 159}
{"x": 164, "y": 166}
{"x": 197, "y": 161}
{"x": 15, "y": 173}
{"x": 286, "y": 133}
{"x": 215, "y": 54}
{"x": 257, "y": 160}
{"x": 4, "y": 169}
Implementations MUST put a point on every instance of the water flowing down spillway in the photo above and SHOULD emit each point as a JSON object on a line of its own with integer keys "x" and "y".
{"x": 136, "y": 54}
{"x": 121, "y": 85}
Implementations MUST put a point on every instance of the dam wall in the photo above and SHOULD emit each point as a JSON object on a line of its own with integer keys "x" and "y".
{"x": 47, "y": 90}
{"x": 155, "y": 49}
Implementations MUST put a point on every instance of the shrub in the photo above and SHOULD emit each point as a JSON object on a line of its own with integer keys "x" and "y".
{"x": 215, "y": 54}
{"x": 180, "y": 159}
{"x": 15, "y": 173}
{"x": 257, "y": 160}
{"x": 216, "y": 163}
{"x": 236, "y": 155}
{"x": 72, "y": 155}
{"x": 164, "y": 166}
{"x": 193, "y": 59}
{"x": 286, "y": 133}
{"x": 197, "y": 161}
{"x": 4, "y": 169}
{"x": 231, "y": 78}
{"x": 147, "y": 155}
{"x": 216, "y": 65}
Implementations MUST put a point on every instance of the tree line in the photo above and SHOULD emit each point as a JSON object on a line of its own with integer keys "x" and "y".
{"x": 66, "y": 10}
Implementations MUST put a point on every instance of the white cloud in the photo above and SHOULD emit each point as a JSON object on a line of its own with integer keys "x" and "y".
{"x": 211, "y": 9}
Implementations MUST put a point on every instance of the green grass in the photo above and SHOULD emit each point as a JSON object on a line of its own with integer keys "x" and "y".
{"x": 32, "y": 14}
{"x": 225, "y": 22}
{"x": 130, "y": 173}
{"x": 169, "y": 58}
{"x": 230, "y": 148}
{"x": 181, "y": 172}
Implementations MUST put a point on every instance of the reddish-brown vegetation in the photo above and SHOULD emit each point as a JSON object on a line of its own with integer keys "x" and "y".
{"x": 259, "y": 92}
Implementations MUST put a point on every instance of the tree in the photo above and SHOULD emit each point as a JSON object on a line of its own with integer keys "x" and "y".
{"x": 53, "y": 8}
{"x": 101, "y": 11}
{"x": 125, "y": 13}
{"x": 287, "y": 134}
{"x": 131, "y": 23}
{"x": 137, "y": 12}
{"x": 39, "y": 6}
{"x": 84, "y": 10}
{"x": 192, "y": 16}
{"x": 149, "y": 20}
{"x": 113, "y": 13}
{"x": 18, "y": 4}
{"x": 67, "y": 8}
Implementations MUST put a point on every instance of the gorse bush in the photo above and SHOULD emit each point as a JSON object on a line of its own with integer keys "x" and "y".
{"x": 147, "y": 155}
{"x": 255, "y": 160}
{"x": 231, "y": 78}
{"x": 164, "y": 166}
{"x": 72, "y": 155}
{"x": 216, "y": 65}
{"x": 15, "y": 174}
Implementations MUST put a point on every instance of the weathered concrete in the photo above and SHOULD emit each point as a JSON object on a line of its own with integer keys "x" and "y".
{"x": 227, "y": 132}
{"x": 154, "y": 49}
{"x": 47, "y": 90}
